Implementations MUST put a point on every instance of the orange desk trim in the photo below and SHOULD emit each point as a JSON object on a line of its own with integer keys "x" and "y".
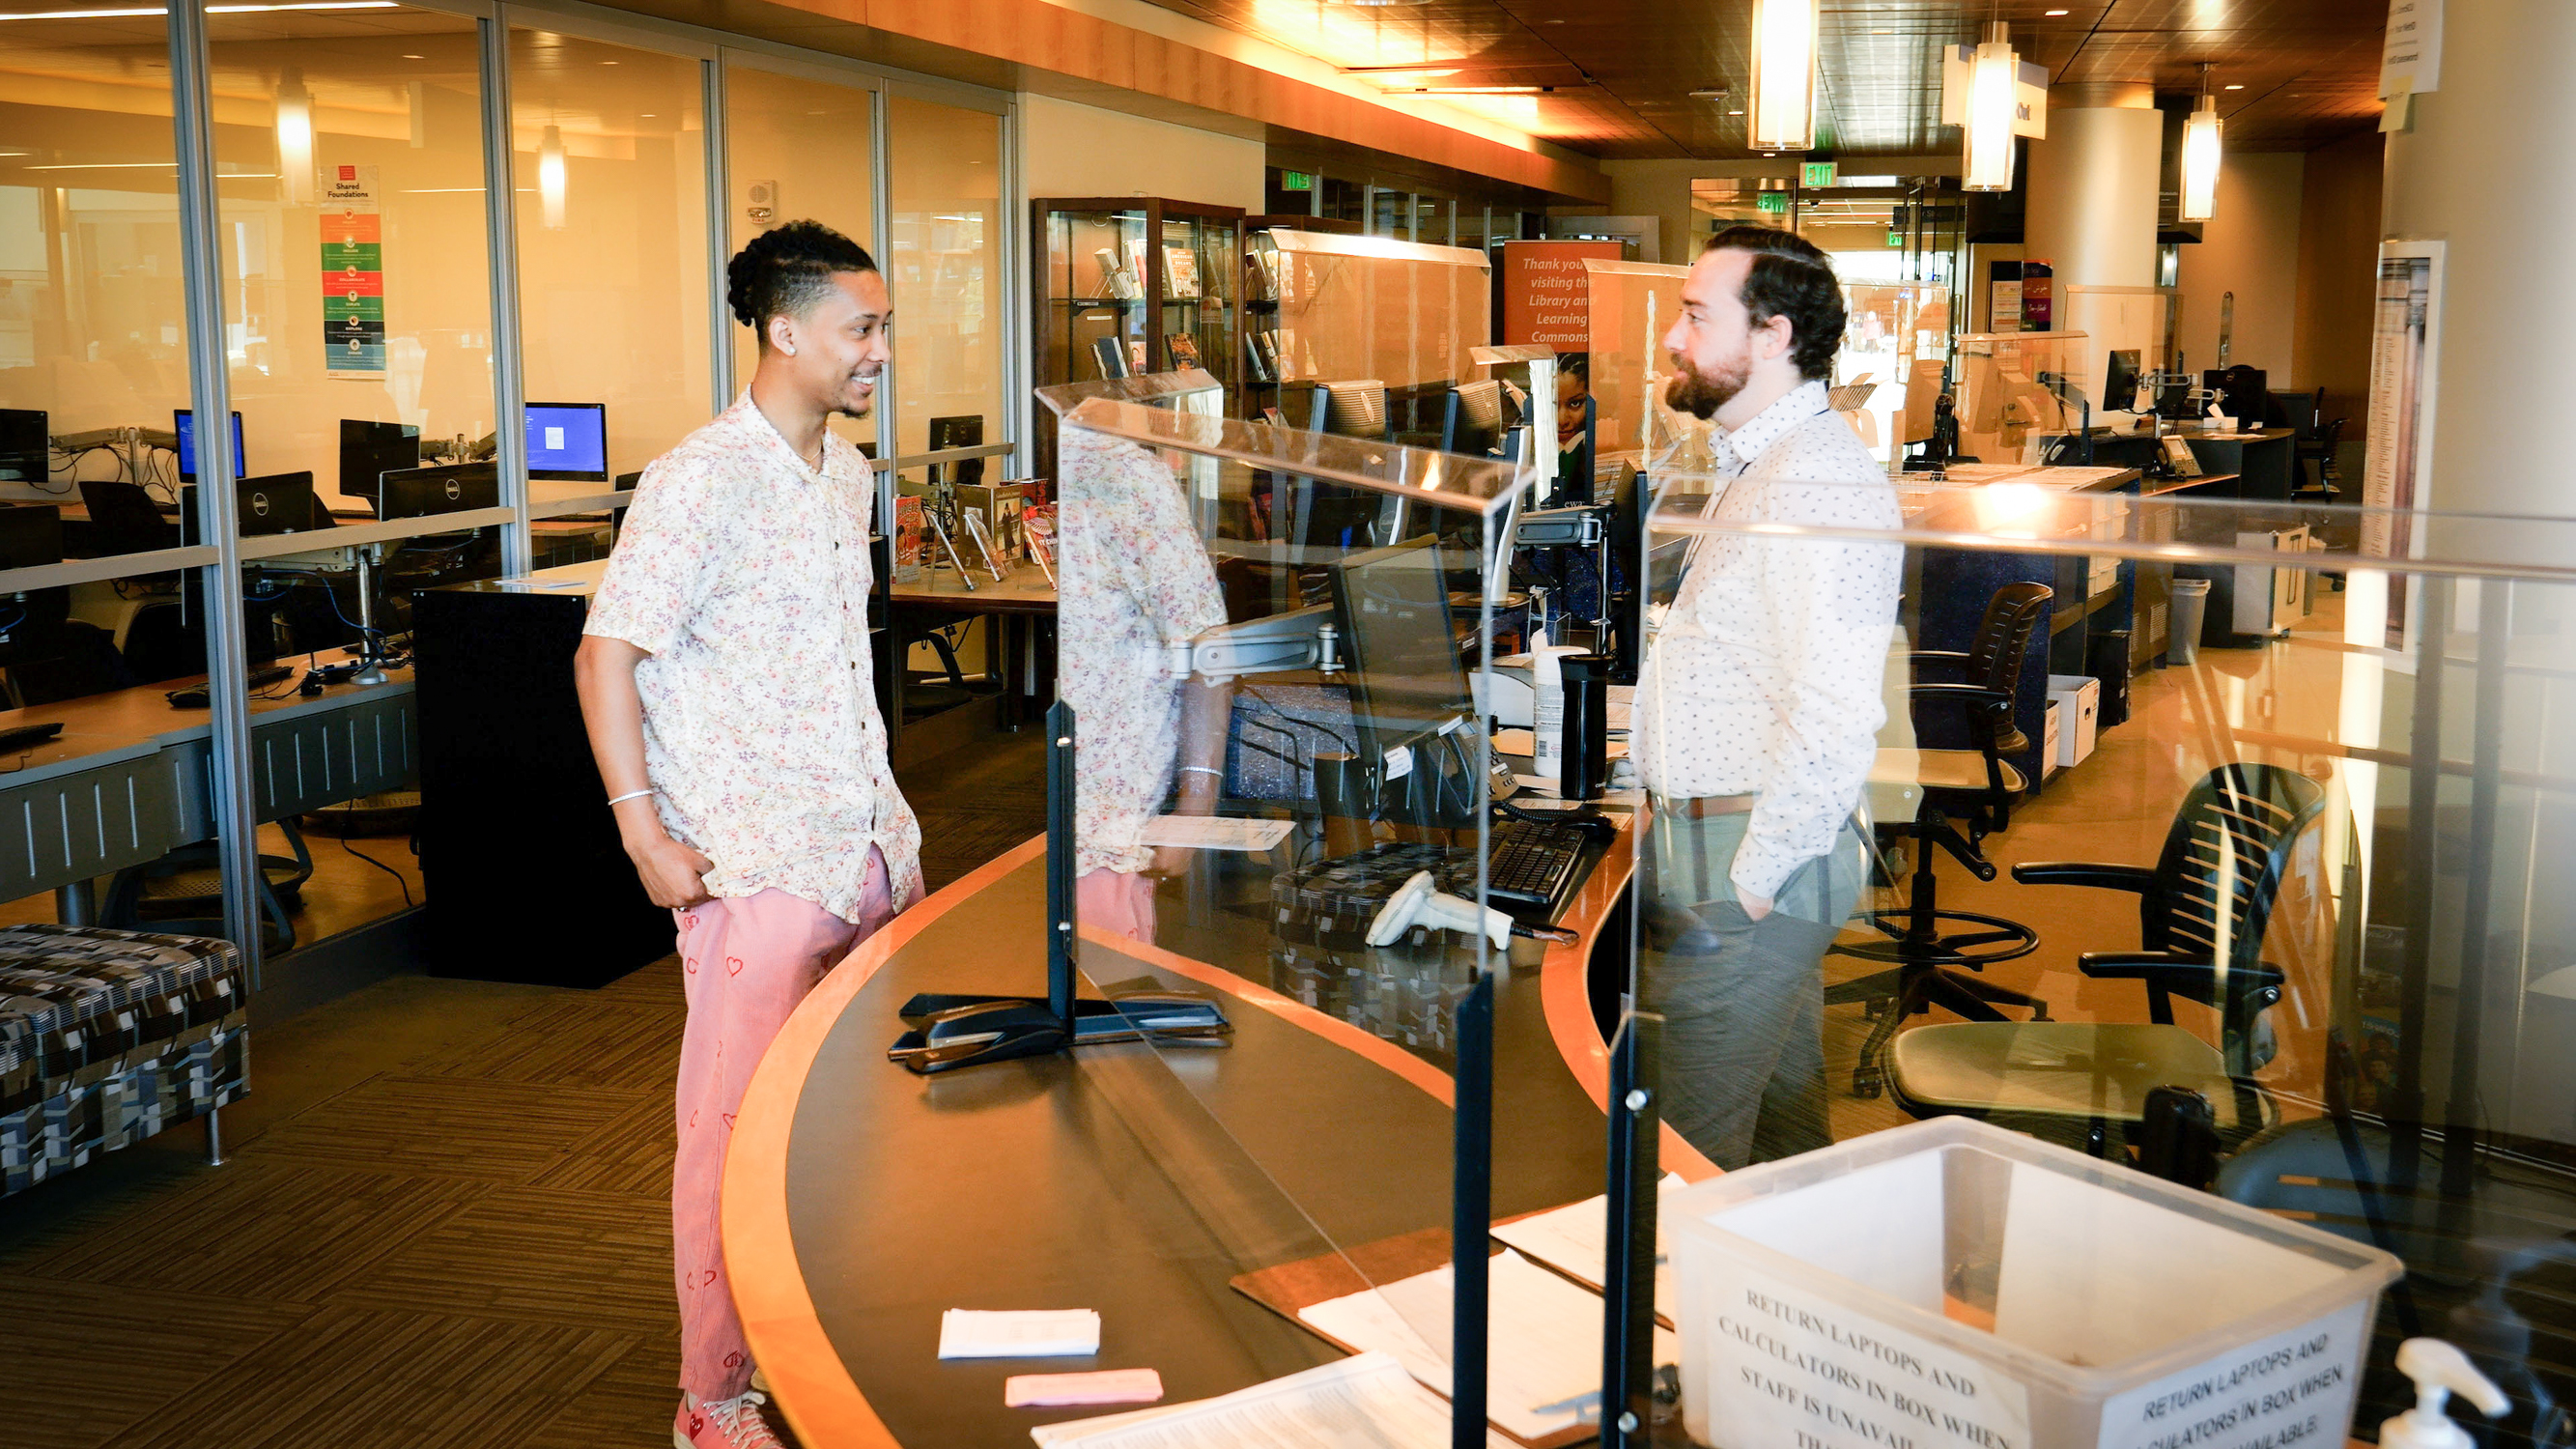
{"x": 804, "y": 1371}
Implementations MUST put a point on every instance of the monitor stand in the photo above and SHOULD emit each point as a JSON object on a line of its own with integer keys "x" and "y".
{"x": 951, "y": 1030}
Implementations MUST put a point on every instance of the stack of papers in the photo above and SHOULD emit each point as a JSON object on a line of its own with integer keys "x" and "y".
{"x": 1367, "y": 1402}
{"x": 1575, "y": 1241}
{"x": 1543, "y": 1341}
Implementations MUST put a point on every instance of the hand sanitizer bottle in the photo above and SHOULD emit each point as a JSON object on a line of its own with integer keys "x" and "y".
{"x": 2439, "y": 1371}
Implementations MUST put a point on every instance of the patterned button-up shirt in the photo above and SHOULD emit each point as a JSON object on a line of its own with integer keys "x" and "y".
{"x": 1765, "y": 677}
{"x": 744, "y": 573}
{"x": 1136, "y": 580}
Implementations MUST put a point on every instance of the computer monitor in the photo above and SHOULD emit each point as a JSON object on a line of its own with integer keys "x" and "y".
{"x": 184, "y": 422}
{"x": 278, "y": 503}
{"x": 1393, "y": 608}
{"x": 1474, "y": 423}
{"x": 31, "y": 625}
{"x": 31, "y": 535}
{"x": 2120, "y": 382}
{"x": 567, "y": 441}
{"x": 1352, "y": 409}
{"x": 26, "y": 448}
{"x": 960, "y": 432}
{"x": 451, "y": 488}
{"x": 368, "y": 451}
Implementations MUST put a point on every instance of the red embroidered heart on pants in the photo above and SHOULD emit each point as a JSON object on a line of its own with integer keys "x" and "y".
{"x": 728, "y": 1119}
{"x": 733, "y": 965}
{"x": 708, "y": 1281}
{"x": 690, "y": 963}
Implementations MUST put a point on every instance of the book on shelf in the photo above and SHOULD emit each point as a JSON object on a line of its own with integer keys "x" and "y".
{"x": 1135, "y": 246}
{"x": 1115, "y": 282}
{"x": 1266, "y": 346}
{"x": 1180, "y": 274}
{"x": 1136, "y": 362}
{"x": 1108, "y": 357}
{"x": 1259, "y": 366}
{"x": 1182, "y": 349}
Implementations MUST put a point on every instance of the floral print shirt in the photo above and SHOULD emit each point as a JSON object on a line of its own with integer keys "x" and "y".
{"x": 744, "y": 574}
{"x": 1136, "y": 578}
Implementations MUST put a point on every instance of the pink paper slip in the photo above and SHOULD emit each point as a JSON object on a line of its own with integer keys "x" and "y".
{"x": 1111, "y": 1386}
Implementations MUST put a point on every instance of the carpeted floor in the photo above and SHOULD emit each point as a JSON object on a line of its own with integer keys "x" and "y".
{"x": 445, "y": 1221}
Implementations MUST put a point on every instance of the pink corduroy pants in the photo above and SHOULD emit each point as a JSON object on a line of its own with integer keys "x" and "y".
{"x": 1115, "y": 901}
{"x": 747, "y": 961}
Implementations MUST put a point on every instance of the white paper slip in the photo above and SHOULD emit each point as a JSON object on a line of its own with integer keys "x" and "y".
{"x": 1216, "y": 832}
{"x": 1543, "y": 1349}
{"x": 1044, "y": 1333}
{"x": 1365, "y": 1402}
{"x": 1575, "y": 1241}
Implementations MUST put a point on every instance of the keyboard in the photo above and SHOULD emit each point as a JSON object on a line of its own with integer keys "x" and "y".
{"x": 19, "y": 738}
{"x": 194, "y": 696}
{"x": 1534, "y": 864}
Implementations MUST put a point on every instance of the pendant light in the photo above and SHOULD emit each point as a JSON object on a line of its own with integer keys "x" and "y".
{"x": 550, "y": 177}
{"x": 1992, "y": 94}
{"x": 1784, "y": 76}
{"x": 2200, "y": 154}
{"x": 294, "y": 138}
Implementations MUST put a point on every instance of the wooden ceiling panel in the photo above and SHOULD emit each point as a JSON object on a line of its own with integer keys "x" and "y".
{"x": 1621, "y": 71}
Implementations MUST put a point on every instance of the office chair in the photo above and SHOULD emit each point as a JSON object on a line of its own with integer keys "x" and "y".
{"x": 169, "y": 892}
{"x": 2229, "y": 849}
{"x": 2319, "y": 450}
{"x": 1972, "y": 788}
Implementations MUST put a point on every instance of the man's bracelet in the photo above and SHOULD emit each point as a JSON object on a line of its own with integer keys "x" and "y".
{"x": 632, "y": 795}
{"x": 1204, "y": 770}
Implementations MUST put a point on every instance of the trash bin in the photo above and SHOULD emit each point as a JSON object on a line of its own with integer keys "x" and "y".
{"x": 2106, "y": 658}
{"x": 2190, "y": 603}
{"x": 1952, "y": 1285}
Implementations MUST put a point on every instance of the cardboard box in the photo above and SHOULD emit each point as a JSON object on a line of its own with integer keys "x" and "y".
{"x": 2048, "y": 739}
{"x": 2079, "y": 700}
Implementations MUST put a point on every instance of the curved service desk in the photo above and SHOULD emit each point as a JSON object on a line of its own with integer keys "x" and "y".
{"x": 860, "y": 1201}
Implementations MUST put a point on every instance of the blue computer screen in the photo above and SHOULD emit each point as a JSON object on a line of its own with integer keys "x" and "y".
{"x": 187, "y": 430}
{"x": 568, "y": 440}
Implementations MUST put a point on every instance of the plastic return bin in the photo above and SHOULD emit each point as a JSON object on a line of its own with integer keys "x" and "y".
{"x": 1952, "y": 1285}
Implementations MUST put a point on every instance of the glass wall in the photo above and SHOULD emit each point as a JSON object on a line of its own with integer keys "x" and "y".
{"x": 945, "y": 266}
{"x": 797, "y": 149}
{"x": 609, "y": 156}
{"x": 365, "y": 357}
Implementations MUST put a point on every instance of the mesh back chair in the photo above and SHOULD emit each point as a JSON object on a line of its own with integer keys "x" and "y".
{"x": 2202, "y": 911}
{"x": 2320, "y": 452}
{"x": 1966, "y": 796}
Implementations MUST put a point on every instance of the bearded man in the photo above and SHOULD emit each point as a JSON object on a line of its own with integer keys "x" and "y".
{"x": 1758, "y": 712}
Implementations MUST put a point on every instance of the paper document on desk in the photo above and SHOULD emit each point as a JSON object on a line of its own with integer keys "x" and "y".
{"x": 1047, "y": 1333}
{"x": 1575, "y": 1241}
{"x": 1543, "y": 1364}
{"x": 1215, "y": 832}
{"x": 1366, "y": 1402}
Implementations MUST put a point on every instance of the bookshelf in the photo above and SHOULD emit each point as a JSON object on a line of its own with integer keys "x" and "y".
{"x": 1146, "y": 283}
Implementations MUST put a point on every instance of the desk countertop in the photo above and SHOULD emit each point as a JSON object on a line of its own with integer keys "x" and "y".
{"x": 130, "y": 723}
{"x": 1024, "y": 588}
{"x": 860, "y": 1201}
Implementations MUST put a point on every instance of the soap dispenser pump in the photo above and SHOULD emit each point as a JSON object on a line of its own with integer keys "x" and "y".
{"x": 2439, "y": 1371}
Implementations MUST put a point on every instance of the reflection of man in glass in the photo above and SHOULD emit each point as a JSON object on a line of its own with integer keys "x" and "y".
{"x": 1756, "y": 721}
{"x": 1135, "y": 579}
{"x": 728, "y": 688}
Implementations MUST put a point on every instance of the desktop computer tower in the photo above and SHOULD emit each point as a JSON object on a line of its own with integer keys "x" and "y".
{"x": 524, "y": 875}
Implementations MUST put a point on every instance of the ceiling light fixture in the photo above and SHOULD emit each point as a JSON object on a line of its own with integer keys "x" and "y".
{"x": 2201, "y": 137}
{"x": 1991, "y": 102}
{"x": 2236, "y": 88}
{"x": 550, "y": 176}
{"x": 295, "y": 137}
{"x": 143, "y": 11}
{"x": 1784, "y": 76}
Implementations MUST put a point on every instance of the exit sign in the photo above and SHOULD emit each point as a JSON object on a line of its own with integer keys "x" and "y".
{"x": 1772, "y": 201}
{"x": 1895, "y": 238}
{"x": 1296, "y": 181}
{"x": 1816, "y": 173}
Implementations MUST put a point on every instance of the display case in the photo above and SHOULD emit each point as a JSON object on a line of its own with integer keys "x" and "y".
{"x": 1133, "y": 285}
{"x": 2292, "y": 939}
{"x": 2135, "y": 332}
{"x": 1385, "y": 326}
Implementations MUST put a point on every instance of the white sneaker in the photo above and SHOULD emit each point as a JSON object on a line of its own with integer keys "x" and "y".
{"x": 723, "y": 1424}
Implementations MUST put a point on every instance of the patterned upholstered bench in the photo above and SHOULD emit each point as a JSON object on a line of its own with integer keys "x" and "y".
{"x": 107, "y": 1037}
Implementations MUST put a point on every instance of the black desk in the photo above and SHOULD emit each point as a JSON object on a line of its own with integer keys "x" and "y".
{"x": 861, "y": 1201}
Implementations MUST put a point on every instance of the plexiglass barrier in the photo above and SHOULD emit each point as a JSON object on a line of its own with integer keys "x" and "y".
{"x": 2100, "y": 1036}
{"x": 1294, "y": 753}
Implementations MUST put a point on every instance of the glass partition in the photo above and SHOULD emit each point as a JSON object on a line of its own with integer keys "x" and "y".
{"x": 2134, "y": 332}
{"x": 609, "y": 154}
{"x": 1633, "y": 305}
{"x": 1373, "y": 334}
{"x": 1284, "y": 787}
{"x": 1896, "y": 348}
{"x": 2017, "y": 390}
{"x": 2275, "y": 913}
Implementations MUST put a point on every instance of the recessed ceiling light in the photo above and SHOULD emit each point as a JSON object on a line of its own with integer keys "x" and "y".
{"x": 1735, "y": 113}
{"x": 2236, "y": 88}
{"x": 411, "y": 57}
{"x": 608, "y": 62}
{"x": 2053, "y": 12}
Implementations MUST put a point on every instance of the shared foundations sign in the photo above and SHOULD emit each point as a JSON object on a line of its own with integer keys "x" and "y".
{"x": 1546, "y": 295}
